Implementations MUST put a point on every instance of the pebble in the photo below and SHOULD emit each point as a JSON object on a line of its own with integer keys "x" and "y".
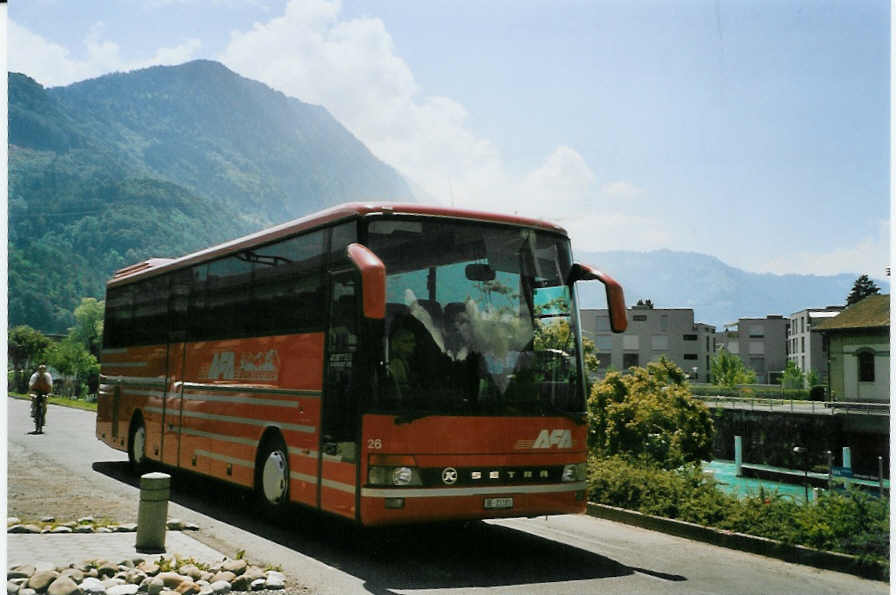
{"x": 138, "y": 576}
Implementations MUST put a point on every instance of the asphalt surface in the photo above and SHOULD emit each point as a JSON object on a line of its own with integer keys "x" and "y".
{"x": 564, "y": 554}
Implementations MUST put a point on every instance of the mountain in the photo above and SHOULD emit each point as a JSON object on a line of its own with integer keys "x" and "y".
{"x": 717, "y": 292}
{"x": 161, "y": 162}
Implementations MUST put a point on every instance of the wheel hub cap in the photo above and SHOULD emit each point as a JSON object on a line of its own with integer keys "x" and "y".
{"x": 274, "y": 477}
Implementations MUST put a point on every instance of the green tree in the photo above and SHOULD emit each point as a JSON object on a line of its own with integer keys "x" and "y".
{"x": 793, "y": 377}
{"x": 88, "y": 329}
{"x": 26, "y": 347}
{"x": 70, "y": 358}
{"x": 812, "y": 379}
{"x": 649, "y": 414}
{"x": 729, "y": 370}
{"x": 862, "y": 288}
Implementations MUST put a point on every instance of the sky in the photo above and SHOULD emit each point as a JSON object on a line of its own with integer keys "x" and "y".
{"x": 757, "y": 131}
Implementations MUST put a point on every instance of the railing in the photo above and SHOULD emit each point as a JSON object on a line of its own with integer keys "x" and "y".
{"x": 797, "y": 406}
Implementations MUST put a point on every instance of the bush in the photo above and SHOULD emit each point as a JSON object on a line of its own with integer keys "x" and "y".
{"x": 850, "y": 521}
{"x": 649, "y": 412}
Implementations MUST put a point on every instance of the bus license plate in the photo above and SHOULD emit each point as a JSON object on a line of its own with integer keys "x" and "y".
{"x": 492, "y": 503}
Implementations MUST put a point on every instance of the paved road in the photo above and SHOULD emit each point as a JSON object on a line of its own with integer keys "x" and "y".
{"x": 566, "y": 554}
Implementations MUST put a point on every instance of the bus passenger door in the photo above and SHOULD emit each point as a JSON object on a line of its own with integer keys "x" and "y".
{"x": 339, "y": 450}
{"x": 172, "y": 408}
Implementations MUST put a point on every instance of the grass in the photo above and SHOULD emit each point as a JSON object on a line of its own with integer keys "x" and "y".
{"x": 64, "y": 401}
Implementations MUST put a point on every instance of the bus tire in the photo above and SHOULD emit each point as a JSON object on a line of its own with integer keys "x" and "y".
{"x": 272, "y": 476}
{"x": 137, "y": 445}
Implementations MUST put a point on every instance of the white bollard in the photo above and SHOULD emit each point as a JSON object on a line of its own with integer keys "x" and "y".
{"x": 738, "y": 455}
{"x": 152, "y": 516}
{"x": 847, "y": 458}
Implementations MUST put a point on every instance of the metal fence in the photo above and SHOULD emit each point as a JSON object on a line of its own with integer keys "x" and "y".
{"x": 797, "y": 406}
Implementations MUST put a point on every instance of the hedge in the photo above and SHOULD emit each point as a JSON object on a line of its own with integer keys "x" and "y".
{"x": 848, "y": 521}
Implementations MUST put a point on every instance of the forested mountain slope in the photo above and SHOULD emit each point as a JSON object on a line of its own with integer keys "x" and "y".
{"x": 161, "y": 162}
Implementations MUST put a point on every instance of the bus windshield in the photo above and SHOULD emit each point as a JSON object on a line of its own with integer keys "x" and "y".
{"x": 479, "y": 320}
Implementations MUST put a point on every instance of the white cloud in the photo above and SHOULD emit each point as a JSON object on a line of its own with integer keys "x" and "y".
{"x": 869, "y": 256}
{"x": 622, "y": 190}
{"x": 51, "y": 64}
{"x": 351, "y": 67}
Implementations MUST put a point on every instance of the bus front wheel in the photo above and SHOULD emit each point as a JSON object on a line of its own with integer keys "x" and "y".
{"x": 272, "y": 476}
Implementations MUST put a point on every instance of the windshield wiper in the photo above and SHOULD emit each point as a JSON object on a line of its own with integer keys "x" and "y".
{"x": 411, "y": 416}
{"x": 578, "y": 417}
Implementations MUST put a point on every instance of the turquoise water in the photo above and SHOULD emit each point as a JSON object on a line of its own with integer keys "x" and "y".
{"x": 724, "y": 473}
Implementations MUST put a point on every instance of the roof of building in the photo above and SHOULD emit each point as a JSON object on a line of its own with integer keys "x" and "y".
{"x": 871, "y": 312}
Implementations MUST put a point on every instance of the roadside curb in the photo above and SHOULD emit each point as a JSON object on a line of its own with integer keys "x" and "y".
{"x": 749, "y": 543}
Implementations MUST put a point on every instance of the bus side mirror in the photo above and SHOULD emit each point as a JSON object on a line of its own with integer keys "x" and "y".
{"x": 615, "y": 296}
{"x": 373, "y": 279}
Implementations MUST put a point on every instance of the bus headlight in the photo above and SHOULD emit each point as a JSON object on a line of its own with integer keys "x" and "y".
{"x": 379, "y": 475}
{"x": 574, "y": 472}
{"x": 402, "y": 476}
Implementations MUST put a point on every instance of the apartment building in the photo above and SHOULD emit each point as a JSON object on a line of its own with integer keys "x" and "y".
{"x": 805, "y": 348}
{"x": 760, "y": 342}
{"x": 651, "y": 334}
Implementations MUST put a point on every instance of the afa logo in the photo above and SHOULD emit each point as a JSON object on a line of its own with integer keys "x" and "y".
{"x": 222, "y": 366}
{"x": 549, "y": 438}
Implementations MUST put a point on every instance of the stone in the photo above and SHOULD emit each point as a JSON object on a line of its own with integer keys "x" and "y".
{"x": 175, "y": 525}
{"x": 149, "y": 567}
{"x": 70, "y": 524}
{"x": 258, "y": 584}
{"x": 41, "y": 579}
{"x": 61, "y": 529}
{"x": 21, "y": 571}
{"x": 12, "y": 520}
{"x": 23, "y": 529}
{"x": 74, "y": 574}
{"x": 83, "y": 529}
{"x": 92, "y": 573}
{"x": 223, "y": 576}
{"x": 237, "y": 567}
{"x": 104, "y": 530}
{"x": 220, "y": 587}
{"x": 63, "y": 586}
{"x": 48, "y": 519}
{"x": 187, "y": 588}
{"x": 113, "y": 582}
{"x": 135, "y": 577}
{"x": 191, "y": 571}
{"x": 155, "y": 586}
{"x": 12, "y": 588}
{"x": 191, "y": 527}
{"x": 275, "y": 580}
{"x": 85, "y": 520}
{"x": 123, "y": 590}
{"x": 171, "y": 579}
{"x": 27, "y": 591}
{"x": 254, "y": 572}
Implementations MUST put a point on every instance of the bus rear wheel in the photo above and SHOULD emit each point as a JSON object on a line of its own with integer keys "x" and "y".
{"x": 272, "y": 477}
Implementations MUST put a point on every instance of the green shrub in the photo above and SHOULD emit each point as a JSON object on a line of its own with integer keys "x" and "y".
{"x": 848, "y": 521}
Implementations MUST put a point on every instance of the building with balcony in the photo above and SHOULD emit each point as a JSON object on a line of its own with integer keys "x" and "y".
{"x": 651, "y": 334}
{"x": 760, "y": 342}
{"x": 805, "y": 348}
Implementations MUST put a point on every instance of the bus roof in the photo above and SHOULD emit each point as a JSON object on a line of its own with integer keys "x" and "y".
{"x": 154, "y": 266}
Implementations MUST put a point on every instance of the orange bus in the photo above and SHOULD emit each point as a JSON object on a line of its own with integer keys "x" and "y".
{"x": 382, "y": 362}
